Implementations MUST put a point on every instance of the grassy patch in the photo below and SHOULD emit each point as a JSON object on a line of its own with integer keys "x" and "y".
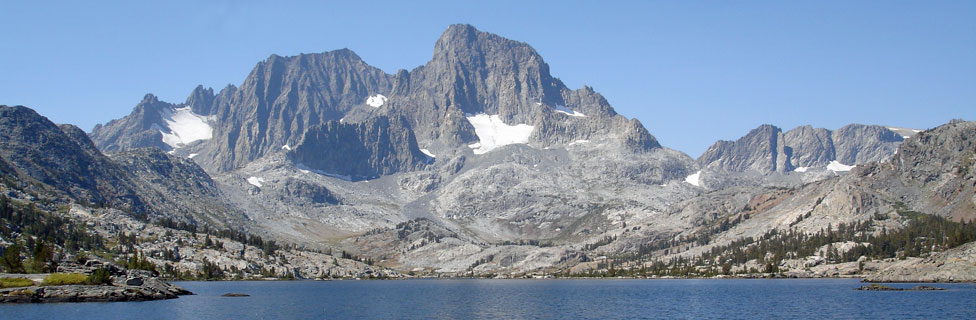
{"x": 15, "y": 282}
{"x": 58, "y": 279}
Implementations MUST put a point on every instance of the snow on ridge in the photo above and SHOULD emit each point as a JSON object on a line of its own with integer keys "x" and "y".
{"x": 184, "y": 127}
{"x": 563, "y": 109}
{"x": 801, "y": 169}
{"x": 839, "y": 167}
{"x": 192, "y": 155}
{"x": 579, "y": 142}
{"x": 694, "y": 179}
{"x": 493, "y": 133}
{"x": 376, "y": 101}
{"x": 286, "y": 147}
{"x": 255, "y": 181}
{"x": 427, "y": 152}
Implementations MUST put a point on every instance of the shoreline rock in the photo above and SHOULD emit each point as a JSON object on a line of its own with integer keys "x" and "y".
{"x": 881, "y": 287}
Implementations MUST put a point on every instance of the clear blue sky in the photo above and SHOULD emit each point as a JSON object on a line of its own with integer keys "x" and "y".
{"x": 692, "y": 71}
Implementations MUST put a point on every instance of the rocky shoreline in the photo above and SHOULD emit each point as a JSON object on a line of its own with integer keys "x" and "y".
{"x": 152, "y": 289}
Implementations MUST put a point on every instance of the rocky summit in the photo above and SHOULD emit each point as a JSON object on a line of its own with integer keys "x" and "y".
{"x": 482, "y": 163}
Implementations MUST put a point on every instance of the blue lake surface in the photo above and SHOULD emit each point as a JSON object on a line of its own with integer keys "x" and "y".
{"x": 529, "y": 299}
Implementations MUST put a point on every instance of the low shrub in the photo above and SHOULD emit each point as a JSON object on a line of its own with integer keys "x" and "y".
{"x": 15, "y": 282}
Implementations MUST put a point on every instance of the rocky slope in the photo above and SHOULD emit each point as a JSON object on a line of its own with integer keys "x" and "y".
{"x": 956, "y": 264}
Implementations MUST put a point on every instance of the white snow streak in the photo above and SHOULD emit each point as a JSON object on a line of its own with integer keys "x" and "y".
{"x": 801, "y": 169}
{"x": 286, "y": 147}
{"x": 493, "y": 133}
{"x": 306, "y": 169}
{"x": 563, "y": 109}
{"x": 427, "y": 152}
{"x": 184, "y": 127}
{"x": 192, "y": 155}
{"x": 376, "y": 101}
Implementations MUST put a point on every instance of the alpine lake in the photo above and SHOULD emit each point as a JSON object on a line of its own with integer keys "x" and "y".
{"x": 531, "y": 299}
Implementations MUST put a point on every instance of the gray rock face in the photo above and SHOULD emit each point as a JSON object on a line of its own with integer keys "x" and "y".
{"x": 140, "y": 129}
{"x": 811, "y": 147}
{"x": 379, "y": 146}
{"x": 857, "y": 143}
{"x": 767, "y": 156}
{"x": 763, "y": 149}
{"x": 285, "y": 96}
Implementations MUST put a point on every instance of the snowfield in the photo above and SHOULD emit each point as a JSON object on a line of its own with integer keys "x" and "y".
{"x": 255, "y": 181}
{"x": 838, "y": 167}
{"x": 493, "y": 133}
{"x": 184, "y": 127}
{"x": 694, "y": 179}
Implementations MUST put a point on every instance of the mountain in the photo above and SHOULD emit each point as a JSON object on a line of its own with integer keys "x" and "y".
{"x": 482, "y": 139}
{"x": 60, "y": 160}
{"x": 767, "y": 155}
{"x": 481, "y": 161}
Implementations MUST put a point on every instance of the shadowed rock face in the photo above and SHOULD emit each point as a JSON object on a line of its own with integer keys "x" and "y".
{"x": 65, "y": 160}
{"x": 376, "y": 147}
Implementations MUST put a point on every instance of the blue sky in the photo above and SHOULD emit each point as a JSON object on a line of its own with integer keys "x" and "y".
{"x": 692, "y": 71}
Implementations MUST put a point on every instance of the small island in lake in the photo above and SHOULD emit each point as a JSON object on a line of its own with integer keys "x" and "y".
{"x": 87, "y": 281}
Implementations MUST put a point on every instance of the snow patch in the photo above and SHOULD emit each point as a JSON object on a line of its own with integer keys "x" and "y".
{"x": 916, "y": 130}
{"x": 427, "y": 152}
{"x": 694, "y": 179}
{"x": 839, "y": 167}
{"x": 377, "y": 100}
{"x": 563, "y": 109}
{"x": 184, "y": 127}
{"x": 801, "y": 169}
{"x": 286, "y": 147}
{"x": 493, "y": 133}
{"x": 255, "y": 181}
{"x": 192, "y": 155}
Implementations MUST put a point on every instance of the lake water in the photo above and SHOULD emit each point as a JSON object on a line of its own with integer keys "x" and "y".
{"x": 528, "y": 299}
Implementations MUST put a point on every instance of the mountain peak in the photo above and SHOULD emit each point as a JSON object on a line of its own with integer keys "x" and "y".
{"x": 464, "y": 41}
